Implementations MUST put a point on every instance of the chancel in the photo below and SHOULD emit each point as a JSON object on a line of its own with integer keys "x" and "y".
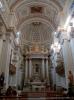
{"x": 36, "y": 49}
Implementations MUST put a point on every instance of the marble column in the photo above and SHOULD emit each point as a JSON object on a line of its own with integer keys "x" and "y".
{"x": 26, "y": 69}
{"x": 47, "y": 69}
{"x": 1, "y": 44}
{"x": 17, "y": 65}
{"x": 30, "y": 68}
{"x": 72, "y": 46}
{"x": 43, "y": 69}
{"x": 53, "y": 76}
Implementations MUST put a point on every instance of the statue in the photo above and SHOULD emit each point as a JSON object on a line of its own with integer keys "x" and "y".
{"x": 37, "y": 68}
{"x": 70, "y": 77}
{"x": 70, "y": 89}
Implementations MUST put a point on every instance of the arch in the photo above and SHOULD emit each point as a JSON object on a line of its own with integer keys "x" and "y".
{"x": 51, "y": 2}
{"x": 48, "y": 24}
{"x": 34, "y": 19}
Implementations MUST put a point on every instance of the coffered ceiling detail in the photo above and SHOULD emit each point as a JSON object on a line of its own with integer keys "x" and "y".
{"x": 35, "y": 33}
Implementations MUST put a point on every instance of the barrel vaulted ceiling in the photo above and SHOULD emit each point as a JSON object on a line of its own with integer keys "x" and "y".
{"x": 37, "y": 19}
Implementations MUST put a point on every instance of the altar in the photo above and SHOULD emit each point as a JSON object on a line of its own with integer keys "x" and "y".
{"x": 36, "y": 70}
{"x": 38, "y": 88}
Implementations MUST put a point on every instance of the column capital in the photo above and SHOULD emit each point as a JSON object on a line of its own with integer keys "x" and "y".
{"x": 7, "y": 36}
{"x": 62, "y": 40}
{"x": 63, "y": 36}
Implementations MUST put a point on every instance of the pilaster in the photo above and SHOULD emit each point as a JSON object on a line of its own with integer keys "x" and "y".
{"x": 67, "y": 55}
{"x": 72, "y": 45}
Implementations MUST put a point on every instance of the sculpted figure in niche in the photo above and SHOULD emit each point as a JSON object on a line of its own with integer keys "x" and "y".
{"x": 37, "y": 68}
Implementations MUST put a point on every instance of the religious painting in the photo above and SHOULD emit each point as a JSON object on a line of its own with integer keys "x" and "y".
{"x": 12, "y": 69}
{"x": 36, "y": 9}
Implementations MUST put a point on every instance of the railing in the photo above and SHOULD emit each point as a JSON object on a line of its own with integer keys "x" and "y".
{"x": 41, "y": 98}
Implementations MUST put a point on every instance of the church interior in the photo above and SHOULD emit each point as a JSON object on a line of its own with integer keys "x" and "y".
{"x": 36, "y": 49}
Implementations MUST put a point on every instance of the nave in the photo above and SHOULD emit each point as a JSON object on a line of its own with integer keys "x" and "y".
{"x": 36, "y": 49}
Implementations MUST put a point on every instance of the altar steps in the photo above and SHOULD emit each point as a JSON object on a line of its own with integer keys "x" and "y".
{"x": 45, "y": 95}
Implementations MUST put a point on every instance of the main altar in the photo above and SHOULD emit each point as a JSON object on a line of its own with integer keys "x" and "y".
{"x": 36, "y": 70}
